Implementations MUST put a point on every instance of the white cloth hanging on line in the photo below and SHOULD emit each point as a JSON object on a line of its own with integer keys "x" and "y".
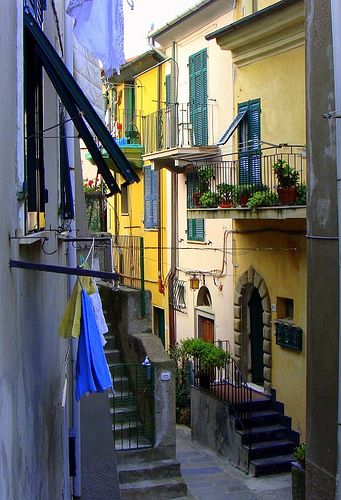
{"x": 99, "y": 28}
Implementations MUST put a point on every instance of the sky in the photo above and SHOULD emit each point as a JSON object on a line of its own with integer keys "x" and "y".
{"x": 137, "y": 22}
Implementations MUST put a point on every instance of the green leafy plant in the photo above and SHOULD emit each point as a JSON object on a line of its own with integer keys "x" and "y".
{"x": 299, "y": 454}
{"x": 287, "y": 176}
{"x": 225, "y": 191}
{"x": 209, "y": 199}
{"x": 209, "y": 355}
{"x": 301, "y": 195}
{"x": 205, "y": 173}
{"x": 262, "y": 199}
{"x": 91, "y": 186}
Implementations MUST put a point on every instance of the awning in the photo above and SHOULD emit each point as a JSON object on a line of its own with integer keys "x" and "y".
{"x": 227, "y": 134}
{"x": 79, "y": 108}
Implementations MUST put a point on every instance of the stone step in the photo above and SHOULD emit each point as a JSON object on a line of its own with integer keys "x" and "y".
{"x": 162, "y": 469}
{"x": 155, "y": 489}
{"x": 266, "y": 449}
{"x": 264, "y": 433}
{"x": 271, "y": 465}
{"x": 113, "y": 356}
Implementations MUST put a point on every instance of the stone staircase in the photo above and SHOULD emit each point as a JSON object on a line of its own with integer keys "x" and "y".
{"x": 144, "y": 471}
{"x": 269, "y": 440}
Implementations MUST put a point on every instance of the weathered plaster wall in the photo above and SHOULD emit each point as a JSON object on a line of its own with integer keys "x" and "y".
{"x": 31, "y": 351}
{"x": 323, "y": 302}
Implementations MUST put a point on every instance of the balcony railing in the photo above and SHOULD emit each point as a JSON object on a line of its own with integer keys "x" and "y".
{"x": 175, "y": 126}
{"x": 126, "y": 126}
{"x": 233, "y": 181}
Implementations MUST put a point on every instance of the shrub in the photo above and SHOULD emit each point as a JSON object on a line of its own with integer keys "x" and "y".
{"x": 301, "y": 195}
{"x": 262, "y": 199}
{"x": 209, "y": 199}
{"x": 299, "y": 454}
{"x": 208, "y": 354}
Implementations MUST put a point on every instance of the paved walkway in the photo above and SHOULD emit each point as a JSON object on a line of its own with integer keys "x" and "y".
{"x": 210, "y": 478}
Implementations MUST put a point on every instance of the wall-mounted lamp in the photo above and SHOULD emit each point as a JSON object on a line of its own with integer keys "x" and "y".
{"x": 194, "y": 283}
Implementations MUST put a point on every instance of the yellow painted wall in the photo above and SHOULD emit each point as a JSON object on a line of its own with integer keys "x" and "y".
{"x": 247, "y": 7}
{"x": 280, "y": 258}
{"x": 279, "y": 82}
{"x": 146, "y": 95}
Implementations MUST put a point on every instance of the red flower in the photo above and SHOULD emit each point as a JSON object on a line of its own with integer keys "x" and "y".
{"x": 90, "y": 183}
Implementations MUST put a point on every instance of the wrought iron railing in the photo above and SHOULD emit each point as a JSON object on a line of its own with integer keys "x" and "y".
{"x": 133, "y": 406}
{"x": 229, "y": 385}
{"x": 175, "y": 126}
{"x": 233, "y": 179}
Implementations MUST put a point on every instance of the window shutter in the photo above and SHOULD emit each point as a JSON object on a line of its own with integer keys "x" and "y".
{"x": 155, "y": 197}
{"x": 198, "y": 97}
{"x": 151, "y": 198}
{"x": 192, "y": 182}
{"x": 147, "y": 197}
{"x": 249, "y": 143}
{"x": 196, "y": 229}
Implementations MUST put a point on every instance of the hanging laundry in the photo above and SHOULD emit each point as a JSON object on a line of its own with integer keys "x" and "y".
{"x": 99, "y": 316}
{"x": 99, "y": 28}
{"x": 71, "y": 322}
{"x": 92, "y": 372}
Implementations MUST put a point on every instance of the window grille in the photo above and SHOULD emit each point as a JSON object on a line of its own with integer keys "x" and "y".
{"x": 178, "y": 295}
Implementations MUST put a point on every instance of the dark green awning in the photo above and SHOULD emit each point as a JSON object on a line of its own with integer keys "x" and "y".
{"x": 79, "y": 108}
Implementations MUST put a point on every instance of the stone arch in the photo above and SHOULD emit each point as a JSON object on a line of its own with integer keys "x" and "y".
{"x": 247, "y": 282}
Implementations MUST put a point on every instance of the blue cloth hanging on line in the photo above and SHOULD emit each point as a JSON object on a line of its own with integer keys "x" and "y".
{"x": 92, "y": 372}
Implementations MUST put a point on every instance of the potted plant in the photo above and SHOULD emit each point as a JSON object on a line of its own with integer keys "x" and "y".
{"x": 225, "y": 192}
{"x": 241, "y": 194}
{"x": 209, "y": 199}
{"x": 298, "y": 473}
{"x": 287, "y": 181}
{"x": 208, "y": 357}
{"x": 262, "y": 199}
{"x": 205, "y": 173}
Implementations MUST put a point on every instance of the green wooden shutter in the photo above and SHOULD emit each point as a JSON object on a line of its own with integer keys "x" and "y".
{"x": 155, "y": 198}
{"x": 168, "y": 90}
{"x": 196, "y": 229}
{"x": 198, "y": 97}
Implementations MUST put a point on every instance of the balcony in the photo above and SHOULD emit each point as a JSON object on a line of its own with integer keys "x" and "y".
{"x": 172, "y": 133}
{"x": 249, "y": 185}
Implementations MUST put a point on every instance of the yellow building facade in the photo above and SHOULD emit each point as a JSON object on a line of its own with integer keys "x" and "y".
{"x": 140, "y": 213}
{"x": 269, "y": 245}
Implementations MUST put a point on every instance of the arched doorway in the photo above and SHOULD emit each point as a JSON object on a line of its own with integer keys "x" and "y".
{"x": 252, "y": 328}
{"x": 256, "y": 338}
{"x": 204, "y": 315}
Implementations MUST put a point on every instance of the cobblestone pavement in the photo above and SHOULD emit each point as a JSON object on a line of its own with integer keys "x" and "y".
{"x": 209, "y": 477}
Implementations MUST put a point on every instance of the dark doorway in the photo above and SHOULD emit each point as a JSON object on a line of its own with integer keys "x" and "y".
{"x": 256, "y": 337}
{"x": 159, "y": 324}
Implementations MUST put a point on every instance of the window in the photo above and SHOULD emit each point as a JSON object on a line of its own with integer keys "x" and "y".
{"x": 124, "y": 199}
{"x": 177, "y": 295}
{"x": 36, "y": 194}
{"x": 151, "y": 198}
{"x": 285, "y": 308}
{"x": 195, "y": 229}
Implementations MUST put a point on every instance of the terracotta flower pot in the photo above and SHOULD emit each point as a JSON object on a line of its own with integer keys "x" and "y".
{"x": 225, "y": 204}
{"x": 196, "y": 198}
{"x": 287, "y": 196}
{"x": 243, "y": 199}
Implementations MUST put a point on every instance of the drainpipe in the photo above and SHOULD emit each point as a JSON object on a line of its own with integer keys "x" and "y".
{"x": 336, "y": 23}
{"x": 72, "y": 262}
{"x": 159, "y": 235}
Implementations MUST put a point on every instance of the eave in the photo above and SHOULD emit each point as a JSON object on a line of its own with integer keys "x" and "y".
{"x": 270, "y": 31}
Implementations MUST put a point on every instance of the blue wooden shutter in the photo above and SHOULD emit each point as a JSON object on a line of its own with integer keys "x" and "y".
{"x": 196, "y": 229}
{"x": 198, "y": 97}
{"x": 249, "y": 143}
{"x": 151, "y": 198}
{"x": 155, "y": 198}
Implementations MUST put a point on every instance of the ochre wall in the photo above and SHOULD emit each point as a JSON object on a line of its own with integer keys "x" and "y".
{"x": 277, "y": 252}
